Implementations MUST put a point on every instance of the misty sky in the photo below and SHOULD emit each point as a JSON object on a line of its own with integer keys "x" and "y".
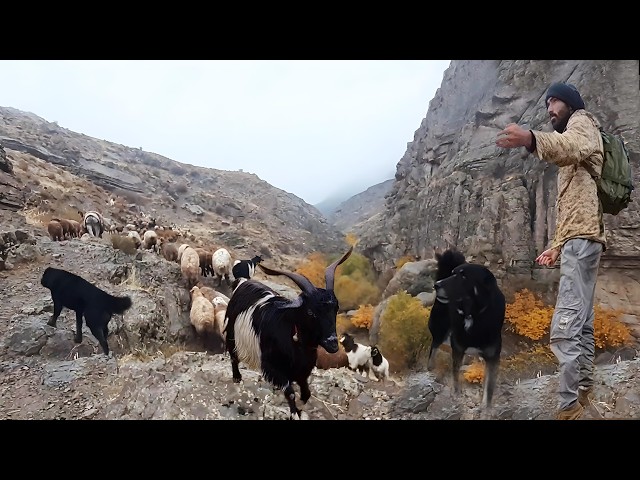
{"x": 309, "y": 127}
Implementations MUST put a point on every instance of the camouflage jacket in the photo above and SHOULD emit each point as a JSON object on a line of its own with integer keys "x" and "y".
{"x": 578, "y": 209}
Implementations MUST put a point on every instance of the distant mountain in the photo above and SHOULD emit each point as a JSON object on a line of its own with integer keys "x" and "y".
{"x": 330, "y": 204}
{"x": 359, "y": 208}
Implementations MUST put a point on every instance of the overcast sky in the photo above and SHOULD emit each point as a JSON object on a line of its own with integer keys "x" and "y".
{"x": 309, "y": 127}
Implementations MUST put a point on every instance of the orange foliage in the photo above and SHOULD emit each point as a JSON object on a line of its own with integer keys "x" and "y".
{"x": 528, "y": 316}
{"x": 351, "y": 239}
{"x": 363, "y": 317}
{"x": 314, "y": 268}
{"x": 474, "y": 372}
{"x": 402, "y": 260}
{"x": 608, "y": 330}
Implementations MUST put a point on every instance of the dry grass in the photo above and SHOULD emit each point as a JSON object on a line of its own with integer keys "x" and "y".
{"x": 40, "y": 217}
{"x": 37, "y": 216}
{"x": 142, "y": 354}
{"x": 133, "y": 281}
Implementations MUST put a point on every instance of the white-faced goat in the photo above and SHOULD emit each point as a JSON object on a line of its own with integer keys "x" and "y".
{"x": 359, "y": 355}
{"x": 93, "y": 223}
{"x": 245, "y": 268}
{"x": 278, "y": 337}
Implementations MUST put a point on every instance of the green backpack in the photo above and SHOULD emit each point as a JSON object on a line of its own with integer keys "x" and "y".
{"x": 615, "y": 184}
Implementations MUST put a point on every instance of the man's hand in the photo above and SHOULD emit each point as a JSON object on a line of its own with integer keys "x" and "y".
{"x": 514, "y": 136}
{"x": 548, "y": 257}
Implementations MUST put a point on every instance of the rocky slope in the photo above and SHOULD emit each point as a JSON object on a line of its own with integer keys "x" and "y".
{"x": 232, "y": 208}
{"x": 161, "y": 370}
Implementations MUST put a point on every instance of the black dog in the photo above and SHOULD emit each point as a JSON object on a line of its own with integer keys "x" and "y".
{"x": 74, "y": 292}
{"x": 476, "y": 308}
{"x": 439, "y": 323}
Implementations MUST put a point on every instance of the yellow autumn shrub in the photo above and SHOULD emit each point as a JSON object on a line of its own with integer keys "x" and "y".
{"x": 608, "y": 330}
{"x": 402, "y": 260}
{"x": 528, "y": 316}
{"x": 363, "y": 317}
{"x": 354, "y": 290}
{"x": 313, "y": 268}
{"x": 474, "y": 373}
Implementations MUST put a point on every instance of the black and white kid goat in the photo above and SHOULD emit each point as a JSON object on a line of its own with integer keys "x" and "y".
{"x": 245, "y": 268}
{"x": 279, "y": 337}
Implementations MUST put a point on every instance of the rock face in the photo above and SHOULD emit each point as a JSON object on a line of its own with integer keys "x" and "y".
{"x": 454, "y": 187}
{"x": 11, "y": 197}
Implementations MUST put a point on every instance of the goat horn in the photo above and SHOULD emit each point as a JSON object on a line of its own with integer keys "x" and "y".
{"x": 300, "y": 280}
{"x": 331, "y": 269}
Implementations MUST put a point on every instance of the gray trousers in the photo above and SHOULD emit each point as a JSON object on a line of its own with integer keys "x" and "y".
{"x": 571, "y": 335}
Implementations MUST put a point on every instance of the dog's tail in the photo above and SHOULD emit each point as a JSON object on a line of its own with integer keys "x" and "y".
{"x": 119, "y": 304}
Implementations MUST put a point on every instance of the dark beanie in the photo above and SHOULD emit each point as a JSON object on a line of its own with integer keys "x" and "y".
{"x": 567, "y": 93}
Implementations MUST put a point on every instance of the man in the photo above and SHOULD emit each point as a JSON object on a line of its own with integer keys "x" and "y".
{"x": 580, "y": 237}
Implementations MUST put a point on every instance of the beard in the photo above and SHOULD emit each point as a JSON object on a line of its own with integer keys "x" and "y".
{"x": 559, "y": 123}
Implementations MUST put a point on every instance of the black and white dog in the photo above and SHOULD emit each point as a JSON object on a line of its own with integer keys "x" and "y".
{"x": 476, "y": 311}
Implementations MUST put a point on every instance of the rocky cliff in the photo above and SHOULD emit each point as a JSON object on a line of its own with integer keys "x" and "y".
{"x": 454, "y": 187}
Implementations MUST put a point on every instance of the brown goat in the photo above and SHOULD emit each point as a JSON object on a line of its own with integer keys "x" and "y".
{"x": 168, "y": 250}
{"x": 206, "y": 265}
{"x": 168, "y": 234}
{"x": 328, "y": 360}
{"x": 67, "y": 229}
{"x": 76, "y": 228}
{"x": 55, "y": 230}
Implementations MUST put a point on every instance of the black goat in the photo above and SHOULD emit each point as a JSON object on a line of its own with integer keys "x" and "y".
{"x": 476, "y": 313}
{"x": 279, "y": 337}
{"x": 439, "y": 323}
{"x": 245, "y": 268}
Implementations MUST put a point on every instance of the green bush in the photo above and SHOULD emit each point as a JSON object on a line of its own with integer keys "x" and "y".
{"x": 358, "y": 264}
{"x": 404, "y": 334}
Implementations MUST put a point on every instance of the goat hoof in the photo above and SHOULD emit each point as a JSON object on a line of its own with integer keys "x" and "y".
{"x": 299, "y": 415}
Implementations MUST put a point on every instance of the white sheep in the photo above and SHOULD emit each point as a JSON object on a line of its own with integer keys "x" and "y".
{"x": 222, "y": 265}
{"x": 181, "y": 250}
{"x": 220, "y": 307}
{"x": 211, "y": 293}
{"x": 136, "y": 238}
{"x": 202, "y": 314}
{"x": 190, "y": 266}
{"x": 150, "y": 240}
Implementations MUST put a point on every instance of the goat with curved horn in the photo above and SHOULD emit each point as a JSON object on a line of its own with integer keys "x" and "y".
{"x": 279, "y": 337}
